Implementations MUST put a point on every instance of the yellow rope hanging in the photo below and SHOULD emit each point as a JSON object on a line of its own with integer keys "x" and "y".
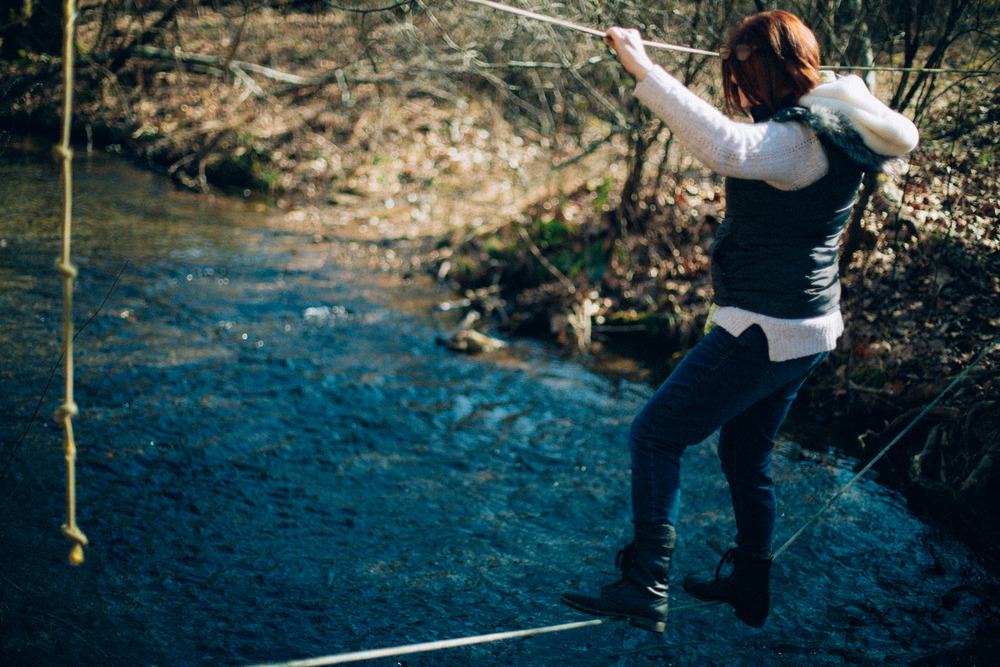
{"x": 65, "y": 413}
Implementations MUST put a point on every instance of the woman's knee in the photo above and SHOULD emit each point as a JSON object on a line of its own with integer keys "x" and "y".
{"x": 645, "y": 438}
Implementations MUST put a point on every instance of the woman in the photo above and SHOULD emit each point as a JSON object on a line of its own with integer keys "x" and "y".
{"x": 792, "y": 178}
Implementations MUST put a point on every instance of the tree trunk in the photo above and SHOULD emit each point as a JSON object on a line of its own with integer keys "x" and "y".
{"x": 863, "y": 53}
{"x": 629, "y": 217}
{"x": 853, "y": 241}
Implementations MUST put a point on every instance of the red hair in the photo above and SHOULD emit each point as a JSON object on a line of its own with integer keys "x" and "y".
{"x": 783, "y": 66}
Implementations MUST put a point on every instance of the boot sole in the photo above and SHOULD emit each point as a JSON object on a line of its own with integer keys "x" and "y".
{"x": 643, "y": 622}
{"x": 752, "y": 621}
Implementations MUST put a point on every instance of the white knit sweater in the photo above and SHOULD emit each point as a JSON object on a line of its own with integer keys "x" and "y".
{"x": 787, "y": 156}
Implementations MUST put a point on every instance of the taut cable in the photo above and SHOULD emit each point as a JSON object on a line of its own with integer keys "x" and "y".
{"x": 357, "y": 656}
{"x": 582, "y": 28}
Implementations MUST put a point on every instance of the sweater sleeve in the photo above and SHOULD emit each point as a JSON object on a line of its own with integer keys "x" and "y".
{"x": 785, "y": 155}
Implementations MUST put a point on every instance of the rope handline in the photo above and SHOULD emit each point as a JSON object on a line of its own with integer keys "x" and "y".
{"x": 356, "y": 656}
{"x": 887, "y": 68}
{"x": 535, "y": 16}
{"x": 582, "y": 28}
{"x": 64, "y": 413}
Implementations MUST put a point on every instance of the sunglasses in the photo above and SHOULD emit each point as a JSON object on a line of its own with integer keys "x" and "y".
{"x": 741, "y": 51}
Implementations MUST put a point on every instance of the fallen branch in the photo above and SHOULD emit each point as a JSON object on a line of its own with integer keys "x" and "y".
{"x": 238, "y": 67}
{"x": 231, "y": 65}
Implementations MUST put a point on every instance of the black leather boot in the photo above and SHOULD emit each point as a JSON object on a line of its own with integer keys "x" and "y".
{"x": 747, "y": 588}
{"x": 641, "y": 594}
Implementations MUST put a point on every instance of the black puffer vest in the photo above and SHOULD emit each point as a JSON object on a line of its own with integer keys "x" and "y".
{"x": 776, "y": 251}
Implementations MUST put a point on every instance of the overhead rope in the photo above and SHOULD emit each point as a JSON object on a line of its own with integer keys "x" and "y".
{"x": 535, "y": 16}
{"x": 928, "y": 70}
{"x": 407, "y": 649}
{"x": 65, "y": 413}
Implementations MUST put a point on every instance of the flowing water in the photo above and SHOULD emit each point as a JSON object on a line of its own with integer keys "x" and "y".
{"x": 278, "y": 460}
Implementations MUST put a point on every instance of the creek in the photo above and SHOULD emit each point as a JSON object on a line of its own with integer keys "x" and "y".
{"x": 278, "y": 460}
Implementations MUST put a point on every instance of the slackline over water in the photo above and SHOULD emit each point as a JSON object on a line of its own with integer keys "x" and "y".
{"x": 357, "y": 656}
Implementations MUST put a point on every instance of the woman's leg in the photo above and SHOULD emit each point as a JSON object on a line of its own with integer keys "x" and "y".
{"x": 745, "y": 445}
{"x": 722, "y": 377}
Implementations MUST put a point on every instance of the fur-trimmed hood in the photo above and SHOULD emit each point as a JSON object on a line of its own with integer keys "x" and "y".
{"x": 844, "y": 110}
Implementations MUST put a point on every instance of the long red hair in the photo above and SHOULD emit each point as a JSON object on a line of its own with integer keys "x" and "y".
{"x": 783, "y": 66}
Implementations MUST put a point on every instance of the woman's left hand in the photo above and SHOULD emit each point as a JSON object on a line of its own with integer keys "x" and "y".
{"x": 627, "y": 44}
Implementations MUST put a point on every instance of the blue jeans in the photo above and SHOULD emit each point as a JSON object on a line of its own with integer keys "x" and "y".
{"x": 725, "y": 382}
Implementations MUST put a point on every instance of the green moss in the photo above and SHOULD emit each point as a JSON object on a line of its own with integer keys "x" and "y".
{"x": 655, "y": 324}
{"x": 548, "y": 232}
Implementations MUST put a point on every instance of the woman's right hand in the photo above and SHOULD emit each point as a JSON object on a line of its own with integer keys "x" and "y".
{"x": 627, "y": 45}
